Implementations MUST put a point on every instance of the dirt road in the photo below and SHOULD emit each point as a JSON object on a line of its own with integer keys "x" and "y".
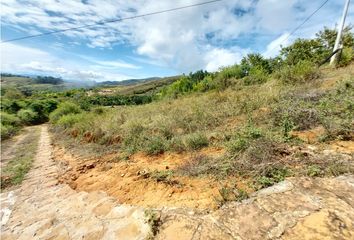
{"x": 298, "y": 208}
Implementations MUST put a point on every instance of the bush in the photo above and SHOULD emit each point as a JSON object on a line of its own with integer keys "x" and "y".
{"x": 256, "y": 75}
{"x": 12, "y": 93}
{"x": 293, "y": 114}
{"x": 65, "y": 108}
{"x": 12, "y": 106}
{"x": 234, "y": 71}
{"x": 43, "y": 108}
{"x": 301, "y": 72}
{"x": 155, "y": 145}
{"x": 9, "y": 119}
{"x": 27, "y": 116}
{"x": 7, "y": 131}
{"x": 67, "y": 121}
{"x": 242, "y": 140}
{"x": 347, "y": 57}
{"x": 196, "y": 141}
{"x": 237, "y": 144}
{"x": 176, "y": 145}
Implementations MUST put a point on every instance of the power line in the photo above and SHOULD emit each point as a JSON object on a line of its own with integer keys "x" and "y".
{"x": 110, "y": 21}
{"x": 299, "y": 26}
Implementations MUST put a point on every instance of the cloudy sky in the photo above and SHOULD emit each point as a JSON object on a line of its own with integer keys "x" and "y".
{"x": 203, "y": 37}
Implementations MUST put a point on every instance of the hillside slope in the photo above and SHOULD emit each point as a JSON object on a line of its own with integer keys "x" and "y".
{"x": 205, "y": 149}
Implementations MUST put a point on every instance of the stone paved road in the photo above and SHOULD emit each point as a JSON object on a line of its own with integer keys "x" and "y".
{"x": 43, "y": 209}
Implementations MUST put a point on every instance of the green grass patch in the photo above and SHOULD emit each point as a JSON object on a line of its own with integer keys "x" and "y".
{"x": 16, "y": 168}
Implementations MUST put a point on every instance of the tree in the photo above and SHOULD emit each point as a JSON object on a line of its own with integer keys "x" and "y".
{"x": 255, "y": 60}
{"x": 304, "y": 49}
{"x": 327, "y": 37}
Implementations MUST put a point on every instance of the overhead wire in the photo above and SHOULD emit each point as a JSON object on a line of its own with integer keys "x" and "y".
{"x": 110, "y": 21}
{"x": 299, "y": 26}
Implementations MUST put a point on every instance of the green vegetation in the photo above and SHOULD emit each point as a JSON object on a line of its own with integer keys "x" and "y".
{"x": 16, "y": 168}
{"x": 64, "y": 109}
{"x": 154, "y": 220}
{"x": 230, "y": 194}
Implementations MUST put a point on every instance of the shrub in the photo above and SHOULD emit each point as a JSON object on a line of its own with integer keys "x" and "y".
{"x": 237, "y": 144}
{"x": 314, "y": 171}
{"x": 27, "y": 116}
{"x": 68, "y": 121}
{"x": 295, "y": 115}
{"x": 43, "y": 108}
{"x": 12, "y": 106}
{"x": 7, "y": 131}
{"x": 231, "y": 194}
{"x": 154, "y": 145}
{"x": 12, "y": 93}
{"x": 9, "y": 119}
{"x": 176, "y": 144}
{"x": 301, "y": 72}
{"x": 196, "y": 141}
{"x": 346, "y": 57}
{"x": 234, "y": 71}
{"x": 272, "y": 176}
{"x": 64, "y": 109}
{"x": 256, "y": 75}
{"x": 242, "y": 140}
{"x": 206, "y": 84}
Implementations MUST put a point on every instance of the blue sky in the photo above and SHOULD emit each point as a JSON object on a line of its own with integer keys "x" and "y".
{"x": 205, "y": 37}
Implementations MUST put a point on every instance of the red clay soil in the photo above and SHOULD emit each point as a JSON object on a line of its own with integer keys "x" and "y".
{"x": 129, "y": 181}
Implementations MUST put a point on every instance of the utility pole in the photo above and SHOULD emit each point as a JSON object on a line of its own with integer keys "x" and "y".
{"x": 340, "y": 30}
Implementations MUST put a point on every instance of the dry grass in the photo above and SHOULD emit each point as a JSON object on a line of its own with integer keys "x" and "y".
{"x": 23, "y": 155}
{"x": 258, "y": 144}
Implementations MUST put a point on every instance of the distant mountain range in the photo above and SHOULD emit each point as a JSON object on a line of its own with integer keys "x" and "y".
{"x": 127, "y": 82}
{"x": 79, "y": 83}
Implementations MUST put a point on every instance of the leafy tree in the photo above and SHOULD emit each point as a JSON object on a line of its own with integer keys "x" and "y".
{"x": 303, "y": 49}
{"x": 327, "y": 37}
{"x": 254, "y": 60}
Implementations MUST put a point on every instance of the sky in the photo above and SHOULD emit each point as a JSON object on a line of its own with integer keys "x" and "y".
{"x": 205, "y": 37}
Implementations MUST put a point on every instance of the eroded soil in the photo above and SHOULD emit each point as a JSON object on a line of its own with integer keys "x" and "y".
{"x": 132, "y": 181}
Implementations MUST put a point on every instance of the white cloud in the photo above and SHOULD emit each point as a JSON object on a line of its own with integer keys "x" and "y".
{"x": 217, "y": 58}
{"x": 117, "y": 64}
{"x": 274, "y": 46}
{"x": 183, "y": 40}
{"x": 21, "y": 59}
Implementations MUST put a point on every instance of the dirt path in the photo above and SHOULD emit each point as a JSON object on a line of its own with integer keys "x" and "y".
{"x": 298, "y": 208}
{"x": 43, "y": 209}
